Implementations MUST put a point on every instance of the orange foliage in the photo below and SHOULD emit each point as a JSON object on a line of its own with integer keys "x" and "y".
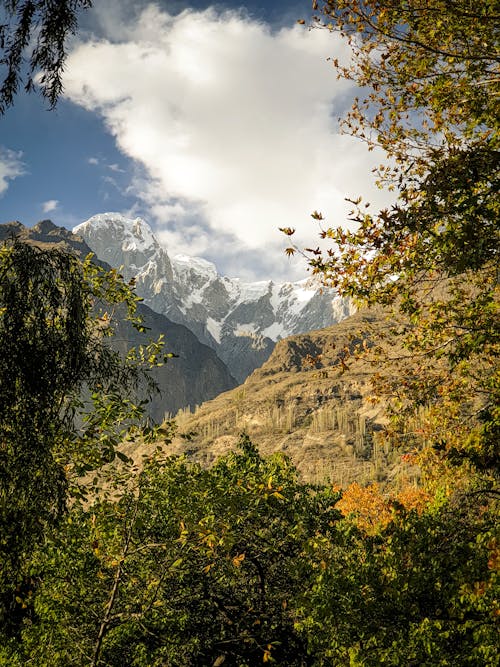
{"x": 366, "y": 507}
{"x": 371, "y": 511}
{"x": 413, "y": 498}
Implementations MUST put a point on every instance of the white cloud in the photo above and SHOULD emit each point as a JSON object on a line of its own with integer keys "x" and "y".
{"x": 234, "y": 126}
{"x": 50, "y": 205}
{"x": 116, "y": 167}
{"x": 93, "y": 161}
{"x": 11, "y": 166}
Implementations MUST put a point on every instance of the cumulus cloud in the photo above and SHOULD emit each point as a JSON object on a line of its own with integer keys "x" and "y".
{"x": 11, "y": 166}
{"x": 233, "y": 125}
{"x": 50, "y": 205}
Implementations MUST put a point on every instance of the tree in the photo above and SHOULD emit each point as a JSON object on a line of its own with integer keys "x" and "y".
{"x": 422, "y": 588}
{"x": 41, "y": 28}
{"x": 430, "y": 73}
{"x": 55, "y": 366}
{"x": 187, "y": 566}
{"x": 420, "y": 591}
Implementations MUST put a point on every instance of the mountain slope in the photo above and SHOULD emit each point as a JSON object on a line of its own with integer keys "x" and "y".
{"x": 241, "y": 321}
{"x": 196, "y": 375}
{"x": 308, "y": 403}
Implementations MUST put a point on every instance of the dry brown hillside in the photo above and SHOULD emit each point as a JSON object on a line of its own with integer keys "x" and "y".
{"x": 311, "y": 400}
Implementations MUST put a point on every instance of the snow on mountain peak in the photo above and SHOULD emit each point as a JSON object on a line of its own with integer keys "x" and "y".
{"x": 253, "y": 291}
{"x": 239, "y": 319}
{"x": 135, "y": 233}
{"x": 185, "y": 263}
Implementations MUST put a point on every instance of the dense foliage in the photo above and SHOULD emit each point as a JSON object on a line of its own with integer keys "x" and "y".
{"x": 189, "y": 566}
{"x": 243, "y": 564}
{"x": 167, "y": 563}
{"x": 65, "y": 394}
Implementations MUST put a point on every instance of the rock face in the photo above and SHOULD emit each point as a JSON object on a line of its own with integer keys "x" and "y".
{"x": 240, "y": 321}
{"x": 308, "y": 403}
{"x": 195, "y": 376}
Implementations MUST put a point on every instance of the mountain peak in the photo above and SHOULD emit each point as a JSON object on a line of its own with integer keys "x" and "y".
{"x": 185, "y": 263}
{"x": 45, "y": 227}
{"x": 120, "y": 241}
{"x": 135, "y": 231}
{"x": 240, "y": 320}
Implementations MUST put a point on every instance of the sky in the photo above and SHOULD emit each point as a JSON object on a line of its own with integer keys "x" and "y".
{"x": 217, "y": 124}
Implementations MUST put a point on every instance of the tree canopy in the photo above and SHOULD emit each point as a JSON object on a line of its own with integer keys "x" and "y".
{"x": 65, "y": 393}
{"x": 429, "y": 72}
{"x": 244, "y": 564}
{"x": 429, "y": 96}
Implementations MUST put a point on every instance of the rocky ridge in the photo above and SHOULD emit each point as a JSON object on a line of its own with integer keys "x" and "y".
{"x": 196, "y": 375}
{"x": 241, "y": 321}
{"x": 313, "y": 401}
{"x": 305, "y": 400}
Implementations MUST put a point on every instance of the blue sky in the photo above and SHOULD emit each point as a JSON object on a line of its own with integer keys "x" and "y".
{"x": 216, "y": 123}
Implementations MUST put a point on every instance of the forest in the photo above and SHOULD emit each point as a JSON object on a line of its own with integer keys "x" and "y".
{"x": 108, "y": 562}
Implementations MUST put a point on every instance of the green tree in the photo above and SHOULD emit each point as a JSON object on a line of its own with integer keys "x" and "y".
{"x": 421, "y": 591}
{"x": 33, "y": 36}
{"x": 55, "y": 365}
{"x": 189, "y": 566}
{"x": 243, "y": 564}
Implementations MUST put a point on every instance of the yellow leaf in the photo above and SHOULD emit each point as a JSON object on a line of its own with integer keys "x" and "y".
{"x": 237, "y": 560}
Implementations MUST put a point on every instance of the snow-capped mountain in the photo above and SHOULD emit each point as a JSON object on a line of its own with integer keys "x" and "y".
{"x": 240, "y": 320}
{"x": 196, "y": 375}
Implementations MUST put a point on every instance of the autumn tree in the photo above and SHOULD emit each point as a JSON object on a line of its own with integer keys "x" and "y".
{"x": 421, "y": 588}
{"x": 431, "y": 76}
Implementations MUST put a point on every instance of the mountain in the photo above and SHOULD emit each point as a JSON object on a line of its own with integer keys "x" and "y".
{"x": 196, "y": 375}
{"x": 241, "y": 321}
{"x": 308, "y": 403}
